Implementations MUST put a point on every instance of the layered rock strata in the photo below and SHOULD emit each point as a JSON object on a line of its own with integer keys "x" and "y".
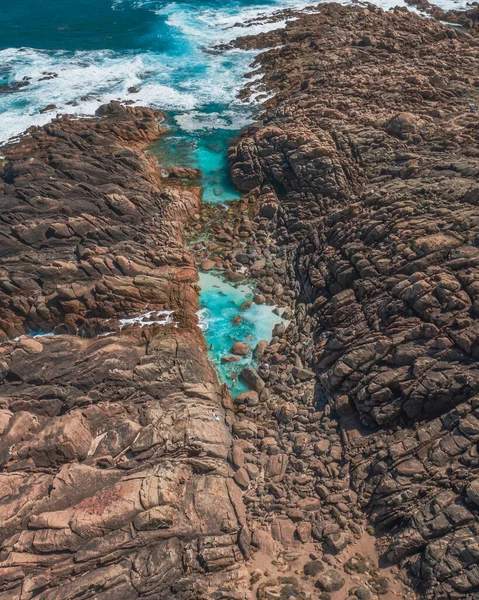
{"x": 363, "y": 171}
{"x": 114, "y": 480}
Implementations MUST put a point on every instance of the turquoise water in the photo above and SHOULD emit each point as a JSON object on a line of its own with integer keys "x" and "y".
{"x": 79, "y": 54}
{"x": 220, "y": 303}
{"x": 206, "y": 150}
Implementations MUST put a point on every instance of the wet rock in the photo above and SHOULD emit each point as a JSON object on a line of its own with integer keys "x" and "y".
{"x": 48, "y": 108}
{"x": 183, "y": 173}
{"x": 233, "y": 275}
{"x": 259, "y": 350}
{"x": 207, "y": 264}
{"x": 230, "y": 359}
{"x": 241, "y": 349}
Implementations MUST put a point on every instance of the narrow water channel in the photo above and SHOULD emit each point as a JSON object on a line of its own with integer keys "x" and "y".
{"x": 227, "y": 313}
{"x": 161, "y": 54}
{"x": 225, "y": 320}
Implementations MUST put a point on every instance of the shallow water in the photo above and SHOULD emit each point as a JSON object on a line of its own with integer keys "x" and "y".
{"x": 220, "y": 303}
{"x": 204, "y": 149}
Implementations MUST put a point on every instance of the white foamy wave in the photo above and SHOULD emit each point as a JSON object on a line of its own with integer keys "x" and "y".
{"x": 215, "y": 26}
{"x": 203, "y": 315}
{"x": 153, "y": 317}
{"x": 187, "y": 78}
{"x": 78, "y": 83}
{"x": 197, "y": 120}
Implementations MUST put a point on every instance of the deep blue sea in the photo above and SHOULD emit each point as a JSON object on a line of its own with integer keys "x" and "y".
{"x": 78, "y": 54}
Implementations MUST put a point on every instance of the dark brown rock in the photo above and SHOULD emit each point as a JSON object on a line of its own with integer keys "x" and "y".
{"x": 367, "y": 150}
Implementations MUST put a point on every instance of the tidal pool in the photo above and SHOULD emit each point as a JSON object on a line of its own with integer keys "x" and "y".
{"x": 220, "y": 303}
{"x": 190, "y": 143}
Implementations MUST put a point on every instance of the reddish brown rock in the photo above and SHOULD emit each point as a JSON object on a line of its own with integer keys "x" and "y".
{"x": 276, "y": 467}
{"x": 207, "y": 264}
{"x": 363, "y": 174}
{"x": 113, "y": 449}
{"x": 241, "y": 349}
{"x": 250, "y": 398}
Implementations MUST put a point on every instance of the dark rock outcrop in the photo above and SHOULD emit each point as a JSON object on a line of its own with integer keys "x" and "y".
{"x": 364, "y": 174}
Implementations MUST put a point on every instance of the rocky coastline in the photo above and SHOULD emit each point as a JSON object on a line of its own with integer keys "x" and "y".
{"x": 360, "y": 215}
{"x": 350, "y": 468}
{"x": 114, "y": 439}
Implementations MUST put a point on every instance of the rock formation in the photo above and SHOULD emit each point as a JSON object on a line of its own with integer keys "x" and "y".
{"x": 363, "y": 174}
{"x": 124, "y": 474}
{"x": 114, "y": 435}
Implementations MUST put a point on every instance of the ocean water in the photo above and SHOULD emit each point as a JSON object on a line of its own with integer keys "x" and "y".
{"x": 79, "y": 54}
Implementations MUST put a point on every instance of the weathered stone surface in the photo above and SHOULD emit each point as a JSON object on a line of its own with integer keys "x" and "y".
{"x": 276, "y": 467}
{"x": 241, "y": 349}
{"x": 330, "y": 581}
{"x": 113, "y": 449}
{"x": 207, "y": 264}
{"x": 250, "y": 398}
{"x": 252, "y": 379}
{"x": 363, "y": 171}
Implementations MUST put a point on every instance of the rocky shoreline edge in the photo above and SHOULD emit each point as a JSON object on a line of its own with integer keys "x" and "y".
{"x": 114, "y": 439}
{"x": 360, "y": 216}
{"x": 128, "y": 472}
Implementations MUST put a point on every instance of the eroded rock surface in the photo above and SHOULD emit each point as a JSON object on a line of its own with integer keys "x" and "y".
{"x": 363, "y": 174}
{"x": 114, "y": 480}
